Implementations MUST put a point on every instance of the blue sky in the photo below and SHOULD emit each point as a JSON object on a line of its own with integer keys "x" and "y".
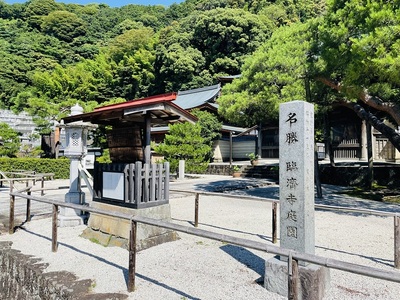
{"x": 111, "y": 3}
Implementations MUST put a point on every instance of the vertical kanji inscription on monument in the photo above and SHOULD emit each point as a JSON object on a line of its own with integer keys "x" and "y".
{"x": 296, "y": 176}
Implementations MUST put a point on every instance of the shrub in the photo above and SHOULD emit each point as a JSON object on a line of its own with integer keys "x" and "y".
{"x": 60, "y": 167}
{"x": 185, "y": 142}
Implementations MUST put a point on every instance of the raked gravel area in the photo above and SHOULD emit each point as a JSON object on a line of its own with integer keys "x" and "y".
{"x": 199, "y": 268}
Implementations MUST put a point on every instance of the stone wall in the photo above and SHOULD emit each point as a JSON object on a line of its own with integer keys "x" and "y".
{"x": 215, "y": 169}
{"x": 24, "y": 277}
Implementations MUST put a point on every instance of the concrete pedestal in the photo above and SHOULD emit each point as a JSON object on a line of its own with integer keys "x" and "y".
{"x": 111, "y": 231}
{"x": 314, "y": 279}
{"x": 69, "y": 217}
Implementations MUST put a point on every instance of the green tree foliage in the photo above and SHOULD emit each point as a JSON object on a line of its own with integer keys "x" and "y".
{"x": 185, "y": 142}
{"x": 210, "y": 128}
{"x": 205, "y": 45}
{"x": 274, "y": 74}
{"x": 210, "y": 125}
{"x": 37, "y": 9}
{"x": 9, "y": 141}
{"x": 53, "y": 93}
{"x": 350, "y": 55}
{"x": 47, "y": 46}
{"x": 63, "y": 25}
{"x": 357, "y": 55}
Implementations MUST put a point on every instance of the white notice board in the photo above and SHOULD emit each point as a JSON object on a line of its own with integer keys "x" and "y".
{"x": 113, "y": 185}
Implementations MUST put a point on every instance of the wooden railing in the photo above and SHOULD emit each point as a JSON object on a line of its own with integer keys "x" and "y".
{"x": 24, "y": 176}
{"x": 143, "y": 185}
{"x": 274, "y": 209}
{"x": 347, "y": 149}
{"x": 293, "y": 256}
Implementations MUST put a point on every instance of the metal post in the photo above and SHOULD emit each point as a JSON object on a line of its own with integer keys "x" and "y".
{"x": 54, "y": 242}
{"x": 132, "y": 257}
{"x": 12, "y": 207}
{"x": 274, "y": 222}
{"x": 196, "y": 210}
{"x": 293, "y": 278}
{"x": 230, "y": 149}
{"x": 397, "y": 242}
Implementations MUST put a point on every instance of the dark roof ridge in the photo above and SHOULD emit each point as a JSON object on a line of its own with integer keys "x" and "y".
{"x": 206, "y": 88}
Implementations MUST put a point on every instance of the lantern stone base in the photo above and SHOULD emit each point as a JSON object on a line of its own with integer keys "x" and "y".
{"x": 71, "y": 221}
{"x": 111, "y": 231}
{"x": 314, "y": 279}
{"x": 69, "y": 217}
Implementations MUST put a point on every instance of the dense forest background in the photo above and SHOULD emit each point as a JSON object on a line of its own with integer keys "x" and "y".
{"x": 54, "y": 55}
{"x": 342, "y": 52}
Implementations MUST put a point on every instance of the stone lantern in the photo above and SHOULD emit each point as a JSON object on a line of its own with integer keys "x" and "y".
{"x": 75, "y": 149}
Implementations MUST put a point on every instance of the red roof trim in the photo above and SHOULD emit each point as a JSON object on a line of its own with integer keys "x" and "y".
{"x": 139, "y": 102}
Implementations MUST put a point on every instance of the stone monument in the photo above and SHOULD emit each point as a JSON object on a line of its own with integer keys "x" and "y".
{"x": 296, "y": 200}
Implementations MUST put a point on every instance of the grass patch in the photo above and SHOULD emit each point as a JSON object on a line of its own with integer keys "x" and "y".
{"x": 392, "y": 199}
{"x": 94, "y": 240}
{"x": 377, "y": 193}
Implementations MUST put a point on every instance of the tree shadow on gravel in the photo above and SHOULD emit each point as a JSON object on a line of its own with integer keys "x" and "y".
{"x": 247, "y": 258}
{"x": 331, "y": 196}
{"x": 124, "y": 270}
{"x": 222, "y": 186}
{"x": 263, "y": 237}
{"x": 377, "y": 260}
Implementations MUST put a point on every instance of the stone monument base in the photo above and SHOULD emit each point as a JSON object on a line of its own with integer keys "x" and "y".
{"x": 111, "y": 231}
{"x": 314, "y": 279}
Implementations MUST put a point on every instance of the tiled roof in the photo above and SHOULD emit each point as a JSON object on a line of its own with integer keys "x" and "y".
{"x": 161, "y": 108}
{"x": 197, "y": 97}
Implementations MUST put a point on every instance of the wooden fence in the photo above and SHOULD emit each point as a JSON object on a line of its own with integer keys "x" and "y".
{"x": 347, "y": 149}
{"x": 293, "y": 256}
{"x": 24, "y": 176}
{"x": 274, "y": 210}
{"x": 142, "y": 185}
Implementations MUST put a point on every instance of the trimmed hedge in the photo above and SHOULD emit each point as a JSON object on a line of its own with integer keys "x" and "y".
{"x": 60, "y": 167}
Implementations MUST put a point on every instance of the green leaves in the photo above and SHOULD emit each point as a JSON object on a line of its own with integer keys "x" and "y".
{"x": 9, "y": 141}
{"x": 185, "y": 142}
{"x": 273, "y": 74}
{"x": 64, "y": 25}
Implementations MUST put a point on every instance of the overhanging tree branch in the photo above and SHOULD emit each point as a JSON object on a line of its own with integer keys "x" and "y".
{"x": 375, "y": 102}
{"x": 386, "y": 130}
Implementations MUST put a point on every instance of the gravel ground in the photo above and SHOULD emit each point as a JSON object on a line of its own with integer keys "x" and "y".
{"x": 198, "y": 268}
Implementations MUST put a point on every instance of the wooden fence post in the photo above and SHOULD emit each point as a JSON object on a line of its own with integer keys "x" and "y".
{"x": 274, "y": 222}
{"x": 138, "y": 183}
{"x": 132, "y": 257}
{"x": 54, "y": 238}
{"x": 160, "y": 182}
{"x": 146, "y": 180}
{"x": 11, "y": 220}
{"x": 293, "y": 278}
{"x": 28, "y": 208}
{"x": 42, "y": 185}
{"x": 196, "y": 210}
{"x": 397, "y": 242}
